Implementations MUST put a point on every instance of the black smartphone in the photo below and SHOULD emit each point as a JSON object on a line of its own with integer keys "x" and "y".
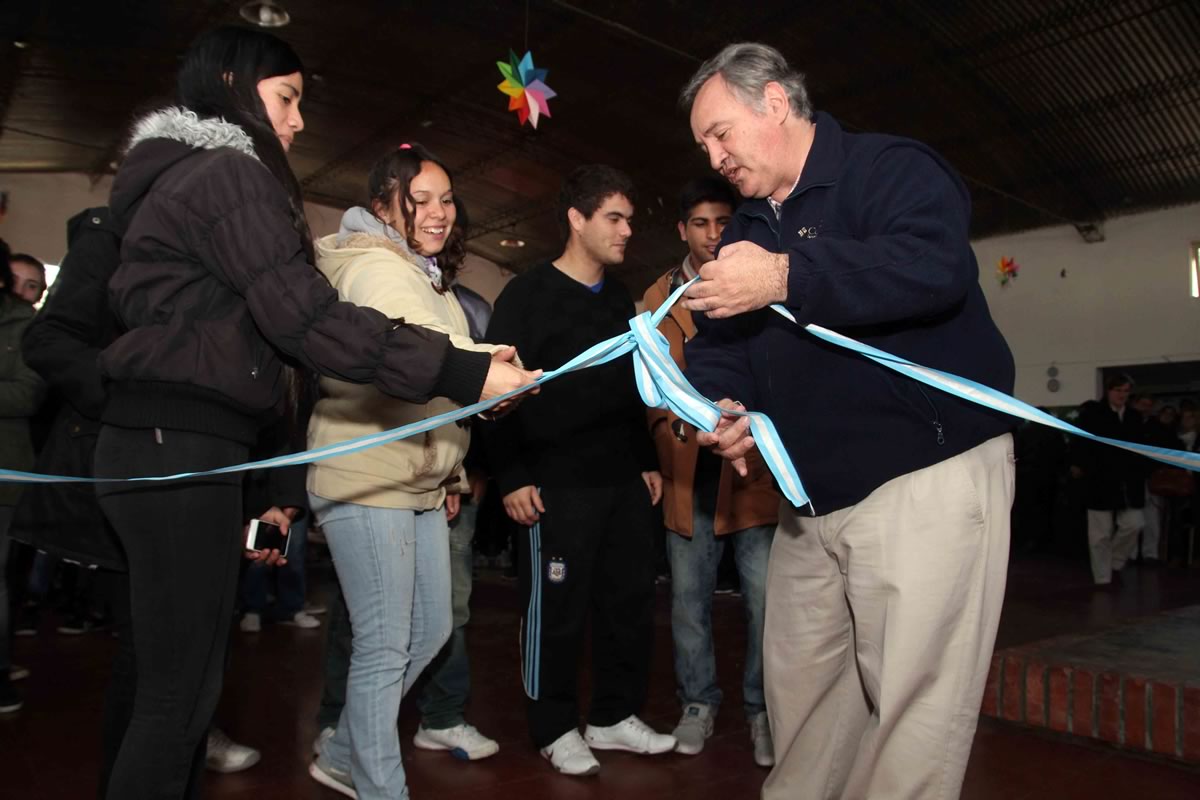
{"x": 267, "y": 536}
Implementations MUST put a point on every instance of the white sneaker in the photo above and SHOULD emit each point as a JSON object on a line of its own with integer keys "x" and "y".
{"x": 316, "y": 609}
{"x": 324, "y": 736}
{"x": 251, "y": 622}
{"x": 570, "y": 755}
{"x": 301, "y": 620}
{"x": 463, "y": 741}
{"x": 694, "y": 727}
{"x": 225, "y": 755}
{"x": 764, "y": 745}
{"x": 629, "y": 734}
{"x": 336, "y": 779}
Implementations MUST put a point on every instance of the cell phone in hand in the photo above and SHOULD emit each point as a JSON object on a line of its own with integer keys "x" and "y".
{"x": 267, "y": 536}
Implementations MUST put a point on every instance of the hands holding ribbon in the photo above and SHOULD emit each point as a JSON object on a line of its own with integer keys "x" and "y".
{"x": 731, "y": 439}
{"x": 502, "y": 378}
{"x": 744, "y": 277}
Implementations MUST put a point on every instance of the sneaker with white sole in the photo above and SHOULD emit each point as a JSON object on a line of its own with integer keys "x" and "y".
{"x": 301, "y": 620}
{"x": 326, "y": 774}
{"x": 16, "y": 673}
{"x": 226, "y": 755}
{"x": 694, "y": 727}
{"x": 324, "y": 736}
{"x": 764, "y": 745}
{"x": 631, "y": 735}
{"x": 570, "y": 755}
{"x": 251, "y": 622}
{"x": 463, "y": 741}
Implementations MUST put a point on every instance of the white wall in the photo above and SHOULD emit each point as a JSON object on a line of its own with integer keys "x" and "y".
{"x": 39, "y": 205}
{"x": 1124, "y": 301}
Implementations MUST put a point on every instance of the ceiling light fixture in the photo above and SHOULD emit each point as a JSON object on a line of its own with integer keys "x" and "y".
{"x": 266, "y": 14}
{"x": 512, "y": 242}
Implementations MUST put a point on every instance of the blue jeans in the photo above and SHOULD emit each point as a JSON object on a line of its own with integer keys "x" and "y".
{"x": 693, "y": 578}
{"x": 289, "y": 579}
{"x": 444, "y": 697}
{"x": 394, "y": 568}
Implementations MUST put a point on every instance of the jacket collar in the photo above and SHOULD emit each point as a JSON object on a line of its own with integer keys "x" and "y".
{"x": 821, "y": 168}
{"x": 667, "y": 283}
{"x": 186, "y": 127}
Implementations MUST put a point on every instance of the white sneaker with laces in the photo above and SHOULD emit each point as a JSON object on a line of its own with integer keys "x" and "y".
{"x": 570, "y": 755}
{"x": 324, "y": 736}
{"x": 695, "y": 725}
{"x": 251, "y": 622}
{"x": 463, "y": 741}
{"x": 302, "y": 620}
{"x": 764, "y": 745}
{"x": 630, "y": 734}
{"x": 225, "y": 755}
{"x": 327, "y": 775}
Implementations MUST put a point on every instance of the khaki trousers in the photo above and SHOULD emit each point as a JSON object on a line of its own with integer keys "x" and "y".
{"x": 880, "y": 624}
{"x": 1111, "y": 549}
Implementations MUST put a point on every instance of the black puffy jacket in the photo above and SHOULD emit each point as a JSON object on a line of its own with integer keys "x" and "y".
{"x": 214, "y": 285}
{"x": 62, "y": 344}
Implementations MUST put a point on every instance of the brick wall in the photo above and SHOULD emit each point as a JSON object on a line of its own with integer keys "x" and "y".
{"x": 1128, "y": 711}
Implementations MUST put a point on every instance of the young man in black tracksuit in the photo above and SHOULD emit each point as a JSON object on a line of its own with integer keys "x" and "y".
{"x": 577, "y": 468}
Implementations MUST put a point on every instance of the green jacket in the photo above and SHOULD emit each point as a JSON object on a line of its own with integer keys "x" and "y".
{"x": 21, "y": 392}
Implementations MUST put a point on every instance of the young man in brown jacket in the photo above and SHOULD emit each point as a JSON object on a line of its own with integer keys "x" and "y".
{"x": 707, "y": 504}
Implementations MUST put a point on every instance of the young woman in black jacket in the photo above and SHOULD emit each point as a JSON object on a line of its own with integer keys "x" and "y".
{"x": 217, "y": 294}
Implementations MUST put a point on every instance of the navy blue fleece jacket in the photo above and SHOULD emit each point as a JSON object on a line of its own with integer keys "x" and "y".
{"x": 876, "y": 234}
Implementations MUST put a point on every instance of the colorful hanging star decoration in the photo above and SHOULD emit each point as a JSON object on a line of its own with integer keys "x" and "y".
{"x": 1007, "y": 270}
{"x": 528, "y": 94}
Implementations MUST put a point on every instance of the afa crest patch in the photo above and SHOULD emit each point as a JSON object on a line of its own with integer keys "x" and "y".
{"x": 556, "y": 570}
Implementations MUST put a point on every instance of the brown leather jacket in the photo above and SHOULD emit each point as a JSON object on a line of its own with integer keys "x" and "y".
{"x": 741, "y": 502}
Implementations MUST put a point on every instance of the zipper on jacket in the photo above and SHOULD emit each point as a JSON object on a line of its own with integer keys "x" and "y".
{"x": 937, "y": 419}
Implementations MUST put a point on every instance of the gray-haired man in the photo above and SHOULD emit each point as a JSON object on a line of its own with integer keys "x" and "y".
{"x": 883, "y": 597}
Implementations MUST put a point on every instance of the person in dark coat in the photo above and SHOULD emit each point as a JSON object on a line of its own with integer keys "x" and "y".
{"x": 1114, "y": 479}
{"x": 21, "y": 392}
{"x": 62, "y": 344}
{"x": 217, "y": 290}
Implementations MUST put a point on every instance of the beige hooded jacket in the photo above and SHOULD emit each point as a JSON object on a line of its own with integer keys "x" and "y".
{"x": 411, "y": 473}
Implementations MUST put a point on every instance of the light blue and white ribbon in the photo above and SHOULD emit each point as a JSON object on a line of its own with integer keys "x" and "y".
{"x": 662, "y": 385}
{"x": 988, "y": 397}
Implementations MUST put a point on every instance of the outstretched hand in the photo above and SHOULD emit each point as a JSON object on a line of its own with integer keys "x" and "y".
{"x": 502, "y": 378}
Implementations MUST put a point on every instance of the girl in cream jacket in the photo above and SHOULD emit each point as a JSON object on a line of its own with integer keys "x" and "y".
{"x": 385, "y": 511}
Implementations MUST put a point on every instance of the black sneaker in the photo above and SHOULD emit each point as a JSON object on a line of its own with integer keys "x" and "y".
{"x": 10, "y": 701}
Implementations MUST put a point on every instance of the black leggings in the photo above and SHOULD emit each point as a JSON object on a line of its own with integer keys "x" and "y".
{"x": 183, "y": 542}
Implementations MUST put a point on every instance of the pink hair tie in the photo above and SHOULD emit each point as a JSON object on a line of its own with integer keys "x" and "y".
{"x": 406, "y": 146}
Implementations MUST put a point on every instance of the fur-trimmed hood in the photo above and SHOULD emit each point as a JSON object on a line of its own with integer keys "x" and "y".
{"x": 187, "y": 127}
{"x": 162, "y": 139}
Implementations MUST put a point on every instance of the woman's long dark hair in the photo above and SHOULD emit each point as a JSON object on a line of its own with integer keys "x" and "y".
{"x": 394, "y": 173}
{"x": 219, "y": 78}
